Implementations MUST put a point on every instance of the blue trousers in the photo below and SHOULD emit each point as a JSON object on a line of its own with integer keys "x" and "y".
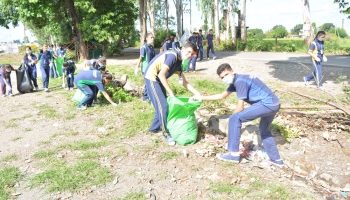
{"x": 53, "y": 71}
{"x": 157, "y": 95}
{"x": 211, "y": 48}
{"x": 2, "y": 86}
{"x": 45, "y": 73}
{"x": 193, "y": 61}
{"x": 9, "y": 82}
{"x": 89, "y": 92}
{"x": 200, "y": 52}
{"x": 145, "y": 95}
{"x": 266, "y": 114}
{"x": 70, "y": 80}
{"x": 317, "y": 73}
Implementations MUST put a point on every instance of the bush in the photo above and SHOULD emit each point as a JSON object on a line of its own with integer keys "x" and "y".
{"x": 160, "y": 37}
{"x": 116, "y": 93}
{"x": 114, "y": 48}
{"x": 22, "y": 49}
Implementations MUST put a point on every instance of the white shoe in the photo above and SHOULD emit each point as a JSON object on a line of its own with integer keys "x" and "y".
{"x": 67, "y": 88}
{"x": 214, "y": 57}
{"x": 4, "y": 95}
{"x": 71, "y": 88}
{"x": 46, "y": 89}
{"x": 321, "y": 88}
{"x": 63, "y": 85}
{"x": 37, "y": 88}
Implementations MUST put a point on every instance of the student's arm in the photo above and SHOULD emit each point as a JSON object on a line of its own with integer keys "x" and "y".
{"x": 216, "y": 96}
{"x": 188, "y": 86}
{"x": 108, "y": 98}
{"x": 240, "y": 106}
{"x": 164, "y": 81}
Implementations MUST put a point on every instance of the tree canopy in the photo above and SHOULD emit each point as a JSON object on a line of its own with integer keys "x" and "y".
{"x": 296, "y": 29}
{"x": 326, "y": 27}
{"x": 279, "y": 32}
{"x": 343, "y": 4}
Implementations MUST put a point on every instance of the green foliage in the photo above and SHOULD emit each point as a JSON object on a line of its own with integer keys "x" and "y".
{"x": 343, "y": 4}
{"x": 279, "y": 32}
{"x": 62, "y": 177}
{"x": 160, "y": 37}
{"x": 278, "y": 26}
{"x": 296, "y": 29}
{"x": 9, "y": 158}
{"x": 326, "y": 27}
{"x": 116, "y": 93}
{"x": 339, "y": 32}
{"x": 9, "y": 176}
{"x": 256, "y": 33}
{"x": 288, "y": 133}
{"x": 226, "y": 45}
{"x": 169, "y": 155}
{"x": 134, "y": 196}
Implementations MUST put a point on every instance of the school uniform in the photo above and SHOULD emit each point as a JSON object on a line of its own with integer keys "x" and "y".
{"x": 85, "y": 81}
{"x": 176, "y": 45}
{"x": 165, "y": 46}
{"x": 60, "y": 52}
{"x": 317, "y": 48}
{"x": 210, "y": 45}
{"x": 96, "y": 66}
{"x": 53, "y": 68}
{"x": 264, "y": 104}
{"x": 147, "y": 53}
{"x": 45, "y": 59}
{"x": 193, "y": 59}
{"x": 2, "y": 81}
{"x": 70, "y": 74}
{"x": 200, "y": 47}
{"x": 156, "y": 90}
{"x": 31, "y": 68}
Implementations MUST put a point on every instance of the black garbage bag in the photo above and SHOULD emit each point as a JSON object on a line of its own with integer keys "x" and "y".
{"x": 24, "y": 83}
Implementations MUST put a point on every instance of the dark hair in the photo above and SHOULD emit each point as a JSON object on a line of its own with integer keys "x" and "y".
{"x": 223, "y": 67}
{"x": 200, "y": 30}
{"x": 102, "y": 59}
{"x": 148, "y": 34}
{"x": 166, "y": 39}
{"x": 210, "y": 29}
{"x": 194, "y": 33}
{"x": 191, "y": 45}
{"x": 7, "y": 66}
{"x": 51, "y": 45}
{"x": 320, "y": 33}
{"x": 41, "y": 51}
{"x": 65, "y": 64}
{"x": 108, "y": 76}
{"x": 30, "y": 48}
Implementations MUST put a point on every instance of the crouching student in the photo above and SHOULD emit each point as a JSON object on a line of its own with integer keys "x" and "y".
{"x": 86, "y": 81}
{"x": 69, "y": 72}
{"x": 163, "y": 66}
{"x": 264, "y": 105}
{"x": 5, "y": 76}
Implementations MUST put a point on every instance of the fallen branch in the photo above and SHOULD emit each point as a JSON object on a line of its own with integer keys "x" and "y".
{"x": 320, "y": 100}
{"x": 325, "y": 107}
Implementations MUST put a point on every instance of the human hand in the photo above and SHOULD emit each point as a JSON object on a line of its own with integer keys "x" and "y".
{"x": 195, "y": 98}
{"x": 114, "y": 104}
{"x": 8, "y": 88}
{"x": 171, "y": 95}
{"x": 136, "y": 70}
{"x": 325, "y": 59}
{"x": 317, "y": 59}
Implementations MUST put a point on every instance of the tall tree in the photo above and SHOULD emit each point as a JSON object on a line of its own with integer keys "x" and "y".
{"x": 143, "y": 20}
{"x": 166, "y": 16}
{"x": 178, "y": 7}
{"x": 232, "y": 20}
{"x": 296, "y": 29}
{"x": 243, "y": 22}
{"x": 151, "y": 15}
{"x": 216, "y": 22}
{"x": 327, "y": 26}
{"x": 307, "y": 28}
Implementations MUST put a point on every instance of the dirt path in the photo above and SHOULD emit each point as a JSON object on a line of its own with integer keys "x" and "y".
{"x": 142, "y": 163}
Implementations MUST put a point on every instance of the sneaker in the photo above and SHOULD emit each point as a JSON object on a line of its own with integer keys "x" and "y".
{"x": 67, "y": 88}
{"x": 277, "y": 162}
{"x": 305, "y": 81}
{"x": 71, "y": 89}
{"x": 170, "y": 141}
{"x": 208, "y": 58}
{"x": 228, "y": 157}
{"x": 214, "y": 57}
{"x": 4, "y": 95}
{"x": 36, "y": 88}
{"x": 10, "y": 95}
{"x": 96, "y": 101}
{"x": 321, "y": 88}
{"x": 81, "y": 107}
{"x": 63, "y": 85}
{"x": 46, "y": 89}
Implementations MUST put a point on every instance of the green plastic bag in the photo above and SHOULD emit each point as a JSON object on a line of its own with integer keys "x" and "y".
{"x": 59, "y": 65}
{"x": 78, "y": 96}
{"x": 181, "y": 122}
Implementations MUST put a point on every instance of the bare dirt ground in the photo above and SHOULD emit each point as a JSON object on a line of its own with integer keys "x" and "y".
{"x": 317, "y": 162}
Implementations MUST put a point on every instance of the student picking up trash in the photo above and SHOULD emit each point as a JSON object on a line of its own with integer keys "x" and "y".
{"x": 264, "y": 104}
{"x": 86, "y": 81}
{"x": 163, "y": 66}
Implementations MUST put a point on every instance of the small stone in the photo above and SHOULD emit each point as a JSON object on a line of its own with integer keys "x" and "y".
{"x": 101, "y": 130}
{"x": 115, "y": 181}
{"x": 16, "y": 194}
{"x": 185, "y": 153}
{"x": 60, "y": 156}
{"x": 325, "y": 176}
{"x": 198, "y": 176}
{"x": 346, "y": 188}
{"x": 325, "y": 135}
{"x": 28, "y": 161}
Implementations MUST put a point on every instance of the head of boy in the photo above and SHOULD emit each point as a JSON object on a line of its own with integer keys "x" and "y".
{"x": 211, "y": 31}
{"x": 172, "y": 36}
{"x": 65, "y": 65}
{"x": 200, "y": 31}
{"x": 102, "y": 61}
{"x": 226, "y": 73}
{"x": 187, "y": 50}
{"x": 167, "y": 40}
{"x": 45, "y": 47}
{"x": 106, "y": 78}
{"x": 8, "y": 68}
{"x": 194, "y": 34}
{"x": 176, "y": 39}
{"x": 51, "y": 47}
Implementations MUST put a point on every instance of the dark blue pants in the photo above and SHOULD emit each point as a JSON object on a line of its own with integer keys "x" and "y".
{"x": 35, "y": 81}
{"x": 70, "y": 81}
{"x": 193, "y": 61}
{"x": 210, "y": 47}
{"x": 145, "y": 95}
{"x": 157, "y": 95}
{"x": 3, "y": 86}
{"x": 45, "y": 70}
{"x": 317, "y": 73}
{"x": 200, "y": 52}
{"x": 53, "y": 71}
{"x": 266, "y": 114}
{"x": 10, "y": 84}
{"x": 89, "y": 94}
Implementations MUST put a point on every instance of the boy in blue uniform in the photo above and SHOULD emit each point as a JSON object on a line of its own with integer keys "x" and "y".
{"x": 69, "y": 69}
{"x": 316, "y": 51}
{"x": 5, "y": 79}
{"x": 45, "y": 59}
{"x": 200, "y": 45}
{"x": 193, "y": 60}
{"x": 60, "y": 51}
{"x": 166, "y": 44}
{"x": 53, "y": 69}
{"x": 85, "y": 79}
{"x": 264, "y": 104}
{"x": 210, "y": 45}
{"x": 146, "y": 55}
{"x": 176, "y": 44}
{"x": 30, "y": 60}
{"x": 163, "y": 66}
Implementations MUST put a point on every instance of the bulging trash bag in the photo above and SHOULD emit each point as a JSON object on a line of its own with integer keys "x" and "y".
{"x": 181, "y": 122}
{"x": 24, "y": 83}
{"x": 59, "y": 65}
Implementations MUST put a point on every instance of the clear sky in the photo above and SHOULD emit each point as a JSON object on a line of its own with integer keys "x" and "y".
{"x": 263, "y": 14}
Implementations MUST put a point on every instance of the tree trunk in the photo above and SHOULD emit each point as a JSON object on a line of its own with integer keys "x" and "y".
{"x": 307, "y": 28}
{"x": 79, "y": 33}
{"x": 151, "y": 15}
{"x": 243, "y": 24}
{"x": 233, "y": 25}
{"x": 178, "y": 6}
{"x": 227, "y": 23}
{"x": 167, "y": 17}
{"x": 143, "y": 20}
{"x": 217, "y": 25}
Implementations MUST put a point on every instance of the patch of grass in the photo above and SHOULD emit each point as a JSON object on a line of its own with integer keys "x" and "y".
{"x": 83, "y": 145}
{"x": 155, "y": 143}
{"x": 227, "y": 188}
{"x": 169, "y": 155}
{"x": 44, "y": 153}
{"x": 9, "y": 176}
{"x": 44, "y": 142}
{"x": 121, "y": 151}
{"x": 28, "y": 129}
{"x": 70, "y": 116}
{"x": 48, "y": 111}
{"x": 11, "y": 157}
{"x": 63, "y": 177}
{"x": 99, "y": 122}
{"x": 132, "y": 172}
{"x": 11, "y": 124}
{"x": 288, "y": 133}
{"x": 134, "y": 196}
{"x": 90, "y": 155}
{"x": 16, "y": 138}
{"x": 341, "y": 79}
